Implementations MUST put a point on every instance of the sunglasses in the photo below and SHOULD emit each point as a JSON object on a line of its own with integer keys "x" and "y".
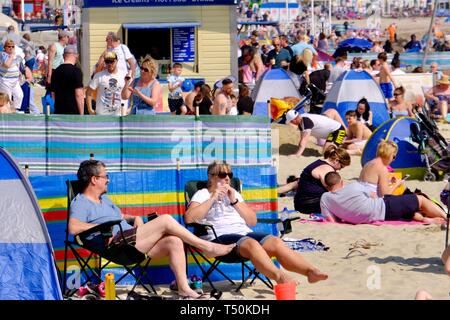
{"x": 223, "y": 175}
{"x": 109, "y": 61}
{"x": 397, "y": 94}
{"x": 145, "y": 69}
{"x": 105, "y": 176}
{"x": 9, "y": 46}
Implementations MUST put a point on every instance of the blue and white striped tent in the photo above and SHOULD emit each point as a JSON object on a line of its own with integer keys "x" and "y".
{"x": 351, "y": 87}
{"x": 274, "y": 83}
{"x": 27, "y": 264}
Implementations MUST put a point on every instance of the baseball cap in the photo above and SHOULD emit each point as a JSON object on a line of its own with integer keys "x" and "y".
{"x": 291, "y": 115}
{"x": 71, "y": 50}
{"x": 110, "y": 55}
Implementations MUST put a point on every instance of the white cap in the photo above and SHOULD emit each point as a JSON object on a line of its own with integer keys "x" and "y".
{"x": 291, "y": 115}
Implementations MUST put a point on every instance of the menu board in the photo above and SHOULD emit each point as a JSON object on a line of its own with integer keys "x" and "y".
{"x": 183, "y": 44}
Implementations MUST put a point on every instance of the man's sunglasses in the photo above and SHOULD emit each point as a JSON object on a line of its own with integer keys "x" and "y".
{"x": 9, "y": 46}
{"x": 109, "y": 61}
{"x": 145, "y": 69}
{"x": 223, "y": 175}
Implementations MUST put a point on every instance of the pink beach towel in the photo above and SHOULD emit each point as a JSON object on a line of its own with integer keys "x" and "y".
{"x": 320, "y": 220}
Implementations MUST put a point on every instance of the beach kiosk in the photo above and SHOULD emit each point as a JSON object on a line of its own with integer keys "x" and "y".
{"x": 200, "y": 34}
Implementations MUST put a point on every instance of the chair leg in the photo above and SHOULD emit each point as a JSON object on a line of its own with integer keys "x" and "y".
{"x": 192, "y": 251}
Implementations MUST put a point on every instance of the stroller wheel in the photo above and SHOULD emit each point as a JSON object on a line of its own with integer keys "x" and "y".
{"x": 429, "y": 176}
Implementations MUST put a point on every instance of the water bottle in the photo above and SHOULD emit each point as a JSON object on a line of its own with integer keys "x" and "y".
{"x": 110, "y": 287}
{"x": 220, "y": 202}
{"x": 284, "y": 214}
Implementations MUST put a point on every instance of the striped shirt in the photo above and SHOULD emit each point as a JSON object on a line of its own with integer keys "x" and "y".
{"x": 13, "y": 72}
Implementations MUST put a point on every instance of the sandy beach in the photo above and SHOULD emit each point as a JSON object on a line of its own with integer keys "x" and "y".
{"x": 407, "y": 257}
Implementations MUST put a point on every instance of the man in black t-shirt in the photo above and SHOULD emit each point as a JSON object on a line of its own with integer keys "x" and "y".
{"x": 67, "y": 85}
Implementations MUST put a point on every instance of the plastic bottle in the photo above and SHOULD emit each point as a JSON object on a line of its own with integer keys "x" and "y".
{"x": 284, "y": 214}
{"x": 110, "y": 287}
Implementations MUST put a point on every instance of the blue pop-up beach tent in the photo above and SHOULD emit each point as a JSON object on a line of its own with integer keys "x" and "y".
{"x": 27, "y": 265}
{"x": 351, "y": 87}
{"x": 408, "y": 160}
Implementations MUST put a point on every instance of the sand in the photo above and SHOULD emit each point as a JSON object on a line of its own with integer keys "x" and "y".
{"x": 402, "y": 259}
{"x": 406, "y": 257}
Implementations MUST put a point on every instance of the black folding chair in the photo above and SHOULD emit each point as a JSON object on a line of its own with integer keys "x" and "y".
{"x": 201, "y": 229}
{"x": 95, "y": 240}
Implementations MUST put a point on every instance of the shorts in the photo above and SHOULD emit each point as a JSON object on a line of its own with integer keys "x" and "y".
{"x": 128, "y": 235}
{"x": 388, "y": 89}
{"x": 337, "y": 137}
{"x": 261, "y": 237}
{"x": 175, "y": 105}
{"x": 401, "y": 207}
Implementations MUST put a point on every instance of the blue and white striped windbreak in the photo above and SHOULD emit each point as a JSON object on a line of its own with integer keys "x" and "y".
{"x": 27, "y": 266}
{"x": 351, "y": 87}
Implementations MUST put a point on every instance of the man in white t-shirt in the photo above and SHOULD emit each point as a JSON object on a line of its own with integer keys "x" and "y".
{"x": 109, "y": 84}
{"x": 223, "y": 207}
{"x": 356, "y": 203}
{"x": 318, "y": 126}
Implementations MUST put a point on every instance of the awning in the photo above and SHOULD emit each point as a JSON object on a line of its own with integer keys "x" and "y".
{"x": 160, "y": 25}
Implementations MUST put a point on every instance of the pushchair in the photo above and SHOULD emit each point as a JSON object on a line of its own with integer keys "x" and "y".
{"x": 278, "y": 114}
{"x": 432, "y": 145}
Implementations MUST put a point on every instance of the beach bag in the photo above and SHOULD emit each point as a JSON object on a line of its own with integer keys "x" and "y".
{"x": 444, "y": 195}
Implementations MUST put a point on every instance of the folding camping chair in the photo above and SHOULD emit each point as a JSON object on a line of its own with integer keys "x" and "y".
{"x": 201, "y": 228}
{"x": 95, "y": 240}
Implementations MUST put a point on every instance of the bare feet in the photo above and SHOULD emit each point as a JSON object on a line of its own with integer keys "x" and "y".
{"x": 434, "y": 220}
{"x": 315, "y": 275}
{"x": 218, "y": 250}
{"x": 285, "y": 278}
{"x": 188, "y": 293}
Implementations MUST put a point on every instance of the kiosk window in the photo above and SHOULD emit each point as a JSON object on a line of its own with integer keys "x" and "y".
{"x": 155, "y": 42}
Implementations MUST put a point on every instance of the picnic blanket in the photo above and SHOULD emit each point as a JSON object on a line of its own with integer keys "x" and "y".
{"x": 319, "y": 218}
{"x": 304, "y": 245}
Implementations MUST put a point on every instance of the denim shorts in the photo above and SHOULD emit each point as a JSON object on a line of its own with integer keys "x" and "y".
{"x": 261, "y": 237}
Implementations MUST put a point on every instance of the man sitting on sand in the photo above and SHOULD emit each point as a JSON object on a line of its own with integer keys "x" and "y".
{"x": 356, "y": 204}
{"x": 357, "y": 134}
{"x": 319, "y": 126}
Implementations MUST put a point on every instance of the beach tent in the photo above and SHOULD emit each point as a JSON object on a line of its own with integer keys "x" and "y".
{"x": 408, "y": 160}
{"x": 6, "y": 21}
{"x": 274, "y": 83}
{"x": 351, "y": 87}
{"x": 27, "y": 264}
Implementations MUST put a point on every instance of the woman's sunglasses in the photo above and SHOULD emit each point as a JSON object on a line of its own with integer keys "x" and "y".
{"x": 223, "y": 175}
{"x": 145, "y": 69}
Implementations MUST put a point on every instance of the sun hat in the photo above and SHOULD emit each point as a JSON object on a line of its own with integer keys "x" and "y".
{"x": 291, "y": 115}
{"x": 444, "y": 79}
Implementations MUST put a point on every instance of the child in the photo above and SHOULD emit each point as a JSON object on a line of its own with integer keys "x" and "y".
{"x": 233, "y": 110}
{"x": 176, "y": 102}
{"x": 5, "y": 106}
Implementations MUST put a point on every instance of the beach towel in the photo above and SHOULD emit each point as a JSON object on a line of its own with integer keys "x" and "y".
{"x": 319, "y": 218}
{"x": 304, "y": 245}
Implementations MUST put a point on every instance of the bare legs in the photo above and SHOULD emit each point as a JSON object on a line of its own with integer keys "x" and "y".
{"x": 446, "y": 259}
{"x": 260, "y": 256}
{"x": 173, "y": 247}
{"x": 150, "y": 233}
{"x": 443, "y": 107}
{"x": 429, "y": 212}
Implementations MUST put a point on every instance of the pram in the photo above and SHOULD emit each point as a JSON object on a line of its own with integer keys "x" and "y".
{"x": 432, "y": 145}
{"x": 279, "y": 115}
{"x": 311, "y": 96}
